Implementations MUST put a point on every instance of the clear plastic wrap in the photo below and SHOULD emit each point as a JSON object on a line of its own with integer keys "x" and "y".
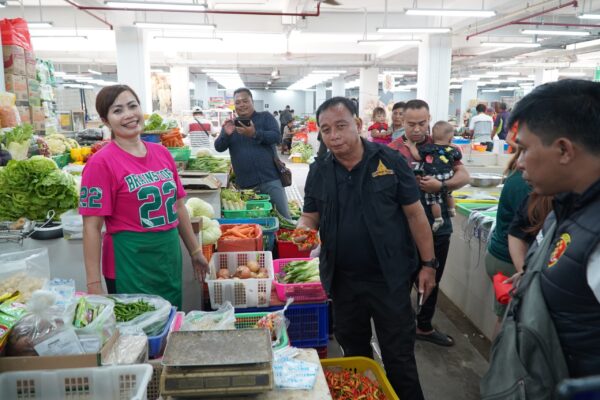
{"x": 222, "y": 319}
{"x": 94, "y": 330}
{"x": 151, "y": 322}
{"x": 290, "y": 373}
{"x": 25, "y": 271}
{"x": 130, "y": 348}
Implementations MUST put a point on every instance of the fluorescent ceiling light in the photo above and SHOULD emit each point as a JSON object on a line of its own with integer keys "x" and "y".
{"x": 589, "y": 16}
{"x": 39, "y": 25}
{"x": 396, "y": 73}
{"x": 574, "y": 74}
{"x": 490, "y": 91}
{"x": 451, "y": 13}
{"x": 156, "y": 70}
{"x": 387, "y": 41}
{"x": 60, "y": 74}
{"x": 166, "y": 25}
{"x": 547, "y": 65}
{"x": 455, "y": 87}
{"x": 554, "y": 32}
{"x": 510, "y": 45}
{"x": 413, "y": 30}
{"x": 142, "y": 5}
{"x": 328, "y": 72}
{"x": 93, "y": 72}
{"x": 70, "y": 39}
{"x": 583, "y": 45}
{"x": 314, "y": 79}
{"x": 186, "y": 38}
{"x": 77, "y": 86}
{"x": 219, "y": 71}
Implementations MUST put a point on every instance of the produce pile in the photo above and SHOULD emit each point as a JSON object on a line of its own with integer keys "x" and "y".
{"x": 172, "y": 138}
{"x": 60, "y": 144}
{"x": 306, "y": 239}
{"x": 30, "y": 188}
{"x": 300, "y": 272}
{"x": 248, "y": 271}
{"x": 211, "y": 231}
{"x": 232, "y": 200}
{"x": 346, "y": 385}
{"x": 284, "y": 223}
{"x": 295, "y": 209}
{"x": 304, "y": 150}
{"x": 242, "y": 231}
{"x": 125, "y": 312}
{"x": 17, "y": 140}
{"x": 208, "y": 163}
{"x": 86, "y": 312}
{"x": 156, "y": 123}
{"x": 199, "y": 208}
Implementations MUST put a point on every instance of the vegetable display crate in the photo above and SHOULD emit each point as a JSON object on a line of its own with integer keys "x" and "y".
{"x": 180, "y": 153}
{"x": 289, "y": 249}
{"x": 249, "y": 320}
{"x": 361, "y": 365}
{"x": 156, "y": 344}
{"x": 242, "y": 293}
{"x": 153, "y": 389}
{"x": 312, "y": 291}
{"x": 114, "y": 382}
{"x": 62, "y": 160}
{"x": 233, "y": 245}
{"x": 254, "y": 209}
{"x": 309, "y": 324}
{"x": 269, "y": 226}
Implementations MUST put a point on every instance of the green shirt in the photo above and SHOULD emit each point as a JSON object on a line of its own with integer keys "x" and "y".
{"x": 515, "y": 190}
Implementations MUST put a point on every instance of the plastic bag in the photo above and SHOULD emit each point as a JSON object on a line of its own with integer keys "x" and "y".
{"x": 64, "y": 290}
{"x": 275, "y": 322}
{"x": 9, "y": 113}
{"x": 25, "y": 271}
{"x": 130, "y": 348}
{"x": 151, "y": 322}
{"x": 289, "y": 373}
{"x": 222, "y": 319}
{"x": 43, "y": 330}
{"x": 98, "y": 328}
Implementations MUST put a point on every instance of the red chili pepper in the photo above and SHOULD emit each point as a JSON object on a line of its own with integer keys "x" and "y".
{"x": 345, "y": 385}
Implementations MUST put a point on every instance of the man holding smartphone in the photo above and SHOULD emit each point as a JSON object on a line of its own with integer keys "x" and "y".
{"x": 251, "y": 140}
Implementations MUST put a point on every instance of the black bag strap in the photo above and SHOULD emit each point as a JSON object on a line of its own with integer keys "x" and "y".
{"x": 201, "y": 126}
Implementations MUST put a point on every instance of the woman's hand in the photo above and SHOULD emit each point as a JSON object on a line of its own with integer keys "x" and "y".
{"x": 95, "y": 288}
{"x": 200, "y": 266}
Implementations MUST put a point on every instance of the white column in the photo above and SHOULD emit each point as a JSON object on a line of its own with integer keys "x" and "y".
{"x": 545, "y": 75}
{"x": 133, "y": 63}
{"x": 368, "y": 93}
{"x": 180, "y": 88}
{"x": 201, "y": 90}
{"x": 321, "y": 95}
{"x": 467, "y": 93}
{"x": 309, "y": 102}
{"x": 433, "y": 81}
{"x": 338, "y": 87}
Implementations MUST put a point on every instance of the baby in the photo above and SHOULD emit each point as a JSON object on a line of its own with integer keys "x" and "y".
{"x": 379, "y": 128}
{"x": 438, "y": 160}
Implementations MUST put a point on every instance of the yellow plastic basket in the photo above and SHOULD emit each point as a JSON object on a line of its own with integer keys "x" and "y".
{"x": 360, "y": 365}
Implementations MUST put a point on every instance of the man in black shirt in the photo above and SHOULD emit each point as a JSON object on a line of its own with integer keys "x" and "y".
{"x": 364, "y": 200}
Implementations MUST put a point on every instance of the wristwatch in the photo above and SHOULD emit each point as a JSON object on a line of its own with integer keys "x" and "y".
{"x": 433, "y": 263}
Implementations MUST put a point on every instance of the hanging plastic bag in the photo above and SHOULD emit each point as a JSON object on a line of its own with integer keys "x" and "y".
{"x": 94, "y": 321}
{"x": 9, "y": 113}
{"x": 25, "y": 271}
{"x": 275, "y": 322}
{"x": 222, "y": 319}
{"x": 145, "y": 311}
{"x": 44, "y": 330}
{"x": 15, "y": 32}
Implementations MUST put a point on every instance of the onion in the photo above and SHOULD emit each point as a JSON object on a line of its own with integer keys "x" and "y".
{"x": 253, "y": 265}
{"x": 223, "y": 274}
{"x": 263, "y": 271}
{"x": 243, "y": 272}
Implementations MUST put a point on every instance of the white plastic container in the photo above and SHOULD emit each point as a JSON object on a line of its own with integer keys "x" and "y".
{"x": 72, "y": 224}
{"x": 242, "y": 293}
{"x": 115, "y": 382}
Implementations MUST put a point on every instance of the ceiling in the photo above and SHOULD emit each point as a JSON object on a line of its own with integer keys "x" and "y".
{"x": 295, "y": 44}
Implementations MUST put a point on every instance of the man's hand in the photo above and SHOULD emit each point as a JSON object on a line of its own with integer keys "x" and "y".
{"x": 200, "y": 266}
{"x": 429, "y": 184}
{"x": 248, "y": 131}
{"x": 229, "y": 127}
{"x": 426, "y": 282}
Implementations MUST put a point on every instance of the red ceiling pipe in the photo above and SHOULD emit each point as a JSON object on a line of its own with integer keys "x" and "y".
{"x": 541, "y": 24}
{"x": 91, "y": 15}
{"x": 516, "y": 21}
{"x": 205, "y": 11}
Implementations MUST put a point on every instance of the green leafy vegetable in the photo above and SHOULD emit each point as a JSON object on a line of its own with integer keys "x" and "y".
{"x": 19, "y": 134}
{"x": 301, "y": 272}
{"x": 209, "y": 164}
{"x": 305, "y": 150}
{"x": 154, "y": 123}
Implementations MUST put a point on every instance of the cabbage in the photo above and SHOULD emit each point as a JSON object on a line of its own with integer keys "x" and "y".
{"x": 211, "y": 231}
{"x": 200, "y": 208}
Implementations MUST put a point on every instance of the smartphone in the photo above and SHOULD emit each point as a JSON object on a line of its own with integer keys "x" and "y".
{"x": 419, "y": 302}
{"x": 580, "y": 389}
{"x": 418, "y": 172}
{"x": 242, "y": 122}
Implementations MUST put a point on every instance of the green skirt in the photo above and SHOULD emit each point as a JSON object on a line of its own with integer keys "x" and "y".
{"x": 150, "y": 263}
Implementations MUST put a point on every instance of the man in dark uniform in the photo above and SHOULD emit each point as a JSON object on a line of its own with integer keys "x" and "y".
{"x": 364, "y": 200}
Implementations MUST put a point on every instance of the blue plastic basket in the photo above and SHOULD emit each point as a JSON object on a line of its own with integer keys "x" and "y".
{"x": 309, "y": 323}
{"x": 156, "y": 344}
{"x": 269, "y": 225}
{"x": 151, "y": 137}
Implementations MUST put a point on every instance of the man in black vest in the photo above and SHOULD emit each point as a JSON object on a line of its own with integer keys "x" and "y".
{"x": 559, "y": 131}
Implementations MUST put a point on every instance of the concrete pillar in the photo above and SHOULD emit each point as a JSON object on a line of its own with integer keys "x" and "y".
{"x": 545, "y": 75}
{"x": 180, "y": 88}
{"x": 467, "y": 93}
{"x": 201, "y": 92}
{"x": 133, "y": 63}
{"x": 368, "y": 93}
{"x": 321, "y": 95}
{"x": 309, "y": 102}
{"x": 338, "y": 87}
{"x": 433, "y": 81}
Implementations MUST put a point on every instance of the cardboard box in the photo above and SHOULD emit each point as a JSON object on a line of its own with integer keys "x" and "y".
{"x": 56, "y": 362}
{"x": 37, "y": 114}
{"x": 39, "y": 126}
{"x": 30, "y": 69}
{"x": 14, "y": 60}
{"x": 17, "y": 84}
{"x": 25, "y": 114}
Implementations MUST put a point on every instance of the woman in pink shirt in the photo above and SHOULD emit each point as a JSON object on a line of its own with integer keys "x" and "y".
{"x": 133, "y": 187}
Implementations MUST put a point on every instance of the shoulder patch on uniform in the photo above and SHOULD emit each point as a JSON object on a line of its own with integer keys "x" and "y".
{"x": 382, "y": 170}
{"x": 559, "y": 249}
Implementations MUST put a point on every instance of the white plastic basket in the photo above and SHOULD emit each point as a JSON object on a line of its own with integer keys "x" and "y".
{"x": 242, "y": 293}
{"x": 115, "y": 382}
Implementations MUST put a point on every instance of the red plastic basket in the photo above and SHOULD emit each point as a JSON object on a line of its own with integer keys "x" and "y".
{"x": 306, "y": 292}
{"x": 289, "y": 249}
{"x": 237, "y": 245}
